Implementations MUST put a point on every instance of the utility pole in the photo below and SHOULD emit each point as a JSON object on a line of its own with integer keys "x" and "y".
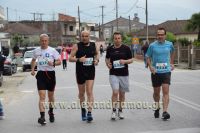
{"x": 102, "y": 28}
{"x": 33, "y": 16}
{"x": 99, "y": 30}
{"x": 41, "y": 16}
{"x": 79, "y": 23}
{"x": 117, "y": 13}
{"x": 147, "y": 30}
{"x": 7, "y": 14}
{"x": 129, "y": 23}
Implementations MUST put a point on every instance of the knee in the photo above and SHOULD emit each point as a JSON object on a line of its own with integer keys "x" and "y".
{"x": 42, "y": 98}
{"x": 81, "y": 96}
{"x": 89, "y": 94}
{"x": 156, "y": 93}
{"x": 115, "y": 94}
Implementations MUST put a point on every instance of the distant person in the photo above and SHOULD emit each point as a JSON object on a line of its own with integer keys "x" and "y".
{"x": 16, "y": 49}
{"x": 144, "y": 51}
{"x": 101, "y": 50}
{"x": 160, "y": 59}
{"x": 64, "y": 58}
{"x": 47, "y": 58}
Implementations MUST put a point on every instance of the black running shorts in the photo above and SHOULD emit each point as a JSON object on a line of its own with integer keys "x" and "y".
{"x": 160, "y": 78}
{"x": 82, "y": 76}
{"x": 46, "y": 80}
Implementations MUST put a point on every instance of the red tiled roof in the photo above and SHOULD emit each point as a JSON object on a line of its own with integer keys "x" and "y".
{"x": 18, "y": 28}
{"x": 62, "y": 17}
{"x": 176, "y": 27}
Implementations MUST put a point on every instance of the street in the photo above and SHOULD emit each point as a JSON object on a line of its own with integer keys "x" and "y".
{"x": 21, "y": 114}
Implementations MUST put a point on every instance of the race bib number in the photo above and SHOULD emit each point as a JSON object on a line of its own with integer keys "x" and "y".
{"x": 43, "y": 61}
{"x": 88, "y": 62}
{"x": 161, "y": 66}
{"x": 117, "y": 65}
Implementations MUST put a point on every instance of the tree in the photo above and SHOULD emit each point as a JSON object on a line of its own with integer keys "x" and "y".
{"x": 184, "y": 41}
{"x": 170, "y": 37}
{"x": 126, "y": 39}
{"x": 194, "y": 24}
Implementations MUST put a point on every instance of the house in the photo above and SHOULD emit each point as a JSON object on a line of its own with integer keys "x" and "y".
{"x": 124, "y": 25}
{"x": 177, "y": 27}
{"x": 61, "y": 32}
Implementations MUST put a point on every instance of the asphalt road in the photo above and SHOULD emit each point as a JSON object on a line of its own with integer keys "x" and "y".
{"x": 22, "y": 113}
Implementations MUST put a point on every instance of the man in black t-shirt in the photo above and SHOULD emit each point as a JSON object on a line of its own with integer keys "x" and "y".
{"x": 118, "y": 56}
{"x": 86, "y": 56}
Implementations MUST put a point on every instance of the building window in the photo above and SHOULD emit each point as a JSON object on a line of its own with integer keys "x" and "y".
{"x": 83, "y": 28}
{"x": 92, "y": 28}
{"x": 65, "y": 29}
{"x": 71, "y": 28}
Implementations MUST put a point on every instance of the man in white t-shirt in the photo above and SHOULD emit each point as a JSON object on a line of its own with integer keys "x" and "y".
{"x": 47, "y": 58}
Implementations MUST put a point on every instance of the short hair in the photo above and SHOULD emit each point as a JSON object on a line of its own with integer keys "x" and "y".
{"x": 85, "y": 31}
{"x": 161, "y": 28}
{"x": 44, "y": 35}
{"x": 117, "y": 33}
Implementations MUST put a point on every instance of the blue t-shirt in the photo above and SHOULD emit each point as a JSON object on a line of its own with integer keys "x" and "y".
{"x": 159, "y": 53}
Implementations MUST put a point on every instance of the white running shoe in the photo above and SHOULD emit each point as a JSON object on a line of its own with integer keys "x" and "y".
{"x": 114, "y": 115}
{"x": 120, "y": 115}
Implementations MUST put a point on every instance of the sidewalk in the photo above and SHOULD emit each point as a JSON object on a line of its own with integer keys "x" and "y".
{"x": 8, "y": 90}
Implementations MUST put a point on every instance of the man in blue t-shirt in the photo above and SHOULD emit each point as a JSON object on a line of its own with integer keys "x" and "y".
{"x": 160, "y": 58}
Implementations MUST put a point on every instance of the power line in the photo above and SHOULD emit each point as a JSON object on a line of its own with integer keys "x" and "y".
{"x": 132, "y": 7}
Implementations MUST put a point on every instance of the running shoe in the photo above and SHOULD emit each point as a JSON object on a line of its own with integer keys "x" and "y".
{"x": 89, "y": 117}
{"x": 165, "y": 116}
{"x": 113, "y": 115}
{"x": 51, "y": 116}
{"x": 42, "y": 121}
{"x": 156, "y": 113}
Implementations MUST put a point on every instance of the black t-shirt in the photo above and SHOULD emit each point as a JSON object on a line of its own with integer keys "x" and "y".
{"x": 115, "y": 54}
{"x": 145, "y": 48}
{"x": 90, "y": 52}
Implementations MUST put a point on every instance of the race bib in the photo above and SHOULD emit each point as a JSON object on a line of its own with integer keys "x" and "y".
{"x": 161, "y": 66}
{"x": 117, "y": 65}
{"x": 43, "y": 61}
{"x": 88, "y": 62}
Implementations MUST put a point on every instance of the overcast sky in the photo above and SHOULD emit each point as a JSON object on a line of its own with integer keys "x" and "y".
{"x": 158, "y": 10}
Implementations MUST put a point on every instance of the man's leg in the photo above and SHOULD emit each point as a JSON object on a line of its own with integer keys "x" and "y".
{"x": 42, "y": 95}
{"x": 156, "y": 97}
{"x": 51, "y": 105}
{"x": 90, "y": 98}
{"x": 165, "y": 90}
{"x": 115, "y": 105}
{"x": 81, "y": 96}
{"x": 121, "y": 101}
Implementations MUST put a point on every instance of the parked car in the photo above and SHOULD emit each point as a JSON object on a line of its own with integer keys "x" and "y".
{"x": 10, "y": 65}
{"x": 26, "y": 62}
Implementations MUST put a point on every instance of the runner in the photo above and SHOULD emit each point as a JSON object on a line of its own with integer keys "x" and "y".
{"x": 118, "y": 56}
{"x": 160, "y": 59}
{"x": 86, "y": 56}
{"x": 47, "y": 58}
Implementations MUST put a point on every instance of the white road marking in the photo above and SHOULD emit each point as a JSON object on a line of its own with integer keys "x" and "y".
{"x": 173, "y": 97}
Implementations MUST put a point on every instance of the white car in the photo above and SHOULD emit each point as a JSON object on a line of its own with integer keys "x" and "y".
{"x": 26, "y": 63}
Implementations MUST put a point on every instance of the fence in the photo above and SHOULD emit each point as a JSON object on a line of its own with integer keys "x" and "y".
{"x": 189, "y": 55}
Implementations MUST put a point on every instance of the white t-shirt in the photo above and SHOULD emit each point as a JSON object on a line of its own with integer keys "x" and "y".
{"x": 64, "y": 55}
{"x": 43, "y": 56}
